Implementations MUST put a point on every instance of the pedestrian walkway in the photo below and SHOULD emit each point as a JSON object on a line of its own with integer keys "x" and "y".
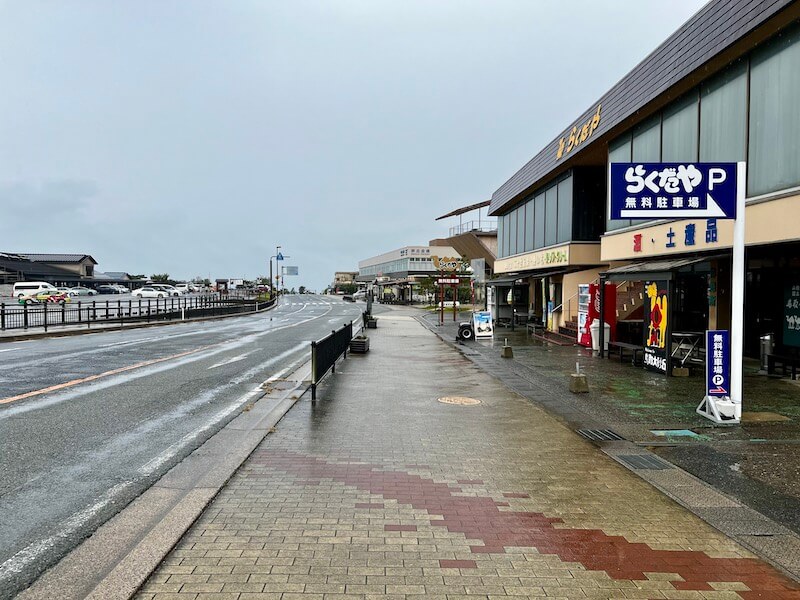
{"x": 381, "y": 489}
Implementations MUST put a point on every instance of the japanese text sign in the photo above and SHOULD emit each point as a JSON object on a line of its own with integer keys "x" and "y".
{"x": 791, "y": 314}
{"x": 673, "y": 190}
{"x": 718, "y": 363}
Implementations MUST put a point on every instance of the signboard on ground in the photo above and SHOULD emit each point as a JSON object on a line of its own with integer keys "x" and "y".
{"x": 655, "y": 326}
{"x": 791, "y": 314}
{"x": 482, "y": 323}
{"x": 673, "y": 190}
{"x": 718, "y": 363}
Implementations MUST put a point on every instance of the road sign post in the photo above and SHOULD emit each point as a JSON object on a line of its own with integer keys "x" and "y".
{"x": 695, "y": 190}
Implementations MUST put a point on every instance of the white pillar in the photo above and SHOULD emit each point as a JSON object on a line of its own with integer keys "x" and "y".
{"x": 737, "y": 291}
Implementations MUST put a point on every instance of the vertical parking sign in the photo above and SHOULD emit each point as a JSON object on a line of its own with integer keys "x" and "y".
{"x": 718, "y": 363}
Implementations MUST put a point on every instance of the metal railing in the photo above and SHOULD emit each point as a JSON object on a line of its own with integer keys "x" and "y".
{"x": 325, "y": 353}
{"x": 485, "y": 225}
{"x": 95, "y": 312}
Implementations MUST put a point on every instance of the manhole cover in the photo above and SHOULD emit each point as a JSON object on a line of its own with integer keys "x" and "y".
{"x": 460, "y": 400}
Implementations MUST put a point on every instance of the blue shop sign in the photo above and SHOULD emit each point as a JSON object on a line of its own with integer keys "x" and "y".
{"x": 718, "y": 363}
{"x": 673, "y": 190}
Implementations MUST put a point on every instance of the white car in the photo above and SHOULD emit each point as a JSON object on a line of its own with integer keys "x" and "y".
{"x": 149, "y": 292}
{"x": 185, "y": 288}
{"x": 167, "y": 289}
{"x": 122, "y": 289}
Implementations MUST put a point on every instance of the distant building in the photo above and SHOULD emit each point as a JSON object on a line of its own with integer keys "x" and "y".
{"x": 82, "y": 264}
{"x": 397, "y": 274}
{"x": 344, "y": 277}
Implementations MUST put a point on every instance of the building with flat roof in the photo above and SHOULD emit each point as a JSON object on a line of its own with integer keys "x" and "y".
{"x": 724, "y": 87}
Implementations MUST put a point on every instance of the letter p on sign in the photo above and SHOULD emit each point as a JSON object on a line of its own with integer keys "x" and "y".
{"x": 715, "y": 176}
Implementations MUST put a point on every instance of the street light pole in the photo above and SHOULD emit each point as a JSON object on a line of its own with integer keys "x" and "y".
{"x": 272, "y": 286}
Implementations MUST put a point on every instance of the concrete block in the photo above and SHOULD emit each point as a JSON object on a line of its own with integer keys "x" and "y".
{"x": 578, "y": 383}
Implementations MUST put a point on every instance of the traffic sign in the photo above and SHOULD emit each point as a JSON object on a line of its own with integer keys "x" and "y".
{"x": 673, "y": 190}
{"x": 279, "y": 257}
{"x": 449, "y": 281}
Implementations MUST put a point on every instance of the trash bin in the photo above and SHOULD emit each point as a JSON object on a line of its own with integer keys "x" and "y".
{"x": 767, "y": 347}
{"x": 594, "y": 330}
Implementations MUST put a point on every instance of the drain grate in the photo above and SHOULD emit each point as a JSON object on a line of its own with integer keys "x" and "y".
{"x": 600, "y": 435}
{"x": 644, "y": 462}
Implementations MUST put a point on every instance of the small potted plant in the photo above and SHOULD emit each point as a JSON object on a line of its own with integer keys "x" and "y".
{"x": 359, "y": 344}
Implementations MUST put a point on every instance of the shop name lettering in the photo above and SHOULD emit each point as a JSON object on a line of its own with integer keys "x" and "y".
{"x": 447, "y": 263}
{"x": 552, "y": 257}
{"x": 658, "y": 362}
{"x": 577, "y": 136}
{"x": 689, "y": 236}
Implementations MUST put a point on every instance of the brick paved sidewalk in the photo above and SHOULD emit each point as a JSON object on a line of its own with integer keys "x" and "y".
{"x": 379, "y": 490}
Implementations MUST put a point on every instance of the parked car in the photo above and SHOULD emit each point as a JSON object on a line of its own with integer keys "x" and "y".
{"x": 80, "y": 290}
{"x": 31, "y": 288}
{"x": 52, "y": 296}
{"x": 167, "y": 289}
{"x": 185, "y": 288}
{"x": 107, "y": 289}
{"x": 122, "y": 289}
{"x": 149, "y": 292}
{"x": 348, "y": 298}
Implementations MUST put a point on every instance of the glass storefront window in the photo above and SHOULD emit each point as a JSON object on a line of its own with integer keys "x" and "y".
{"x": 564, "y": 232}
{"x": 521, "y": 229}
{"x": 618, "y": 151}
{"x": 551, "y": 216}
{"x": 501, "y": 236}
{"x": 647, "y": 142}
{"x": 529, "y": 225}
{"x": 679, "y": 131}
{"x": 538, "y": 221}
{"x": 774, "y": 116}
{"x": 723, "y": 116}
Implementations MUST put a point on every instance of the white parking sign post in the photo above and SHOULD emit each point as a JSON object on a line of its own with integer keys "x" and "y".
{"x": 697, "y": 190}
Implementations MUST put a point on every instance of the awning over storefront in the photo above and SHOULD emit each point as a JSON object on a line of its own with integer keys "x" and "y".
{"x": 654, "y": 269}
{"x": 508, "y": 280}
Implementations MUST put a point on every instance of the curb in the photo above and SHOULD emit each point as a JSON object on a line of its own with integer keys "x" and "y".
{"x": 120, "y": 556}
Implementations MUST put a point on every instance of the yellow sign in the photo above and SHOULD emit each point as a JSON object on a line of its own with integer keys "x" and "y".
{"x": 533, "y": 260}
{"x": 448, "y": 263}
{"x": 577, "y": 136}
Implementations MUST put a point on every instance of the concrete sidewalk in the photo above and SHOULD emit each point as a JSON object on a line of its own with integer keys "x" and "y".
{"x": 380, "y": 489}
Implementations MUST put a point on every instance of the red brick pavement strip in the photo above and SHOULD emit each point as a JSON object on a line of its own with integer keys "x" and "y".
{"x": 479, "y": 518}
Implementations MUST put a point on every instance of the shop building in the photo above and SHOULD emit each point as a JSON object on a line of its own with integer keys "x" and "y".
{"x": 396, "y": 276}
{"x": 724, "y": 87}
{"x": 474, "y": 237}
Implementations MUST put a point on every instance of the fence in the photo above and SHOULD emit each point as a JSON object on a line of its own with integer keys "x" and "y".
{"x": 123, "y": 311}
{"x": 326, "y": 351}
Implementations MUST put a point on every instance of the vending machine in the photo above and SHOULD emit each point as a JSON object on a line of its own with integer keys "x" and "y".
{"x": 584, "y": 300}
{"x": 589, "y": 301}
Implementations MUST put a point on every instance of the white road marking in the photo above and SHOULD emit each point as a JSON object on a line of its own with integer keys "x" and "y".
{"x": 151, "y": 466}
{"x": 230, "y": 360}
{"x": 75, "y": 522}
{"x": 30, "y": 553}
{"x": 10, "y": 349}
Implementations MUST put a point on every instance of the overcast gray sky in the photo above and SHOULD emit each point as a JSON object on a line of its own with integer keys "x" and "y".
{"x": 193, "y": 136}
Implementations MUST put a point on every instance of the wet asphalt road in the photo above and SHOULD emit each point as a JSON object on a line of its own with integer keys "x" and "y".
{"x": 89, "y": 422}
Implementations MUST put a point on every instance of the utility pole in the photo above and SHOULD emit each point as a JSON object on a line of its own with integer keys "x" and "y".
{"x": 277, "y": 257}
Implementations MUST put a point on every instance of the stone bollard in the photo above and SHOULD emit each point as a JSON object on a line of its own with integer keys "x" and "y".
{"x": 507, "y": 351}
{"x": 577, "y": 381}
